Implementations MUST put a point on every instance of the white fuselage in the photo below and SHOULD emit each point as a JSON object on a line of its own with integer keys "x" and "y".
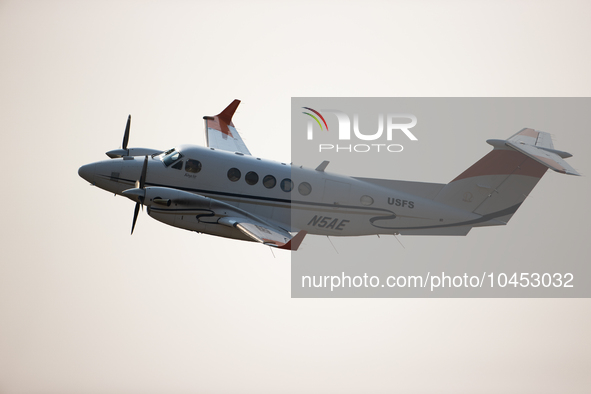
{"x": 320, "y": 202}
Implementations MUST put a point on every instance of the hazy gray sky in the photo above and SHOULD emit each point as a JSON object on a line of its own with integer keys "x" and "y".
{"x": 86, "y": 308}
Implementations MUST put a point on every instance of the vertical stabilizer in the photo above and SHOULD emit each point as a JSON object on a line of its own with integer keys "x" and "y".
{"x": 497, "y": 184}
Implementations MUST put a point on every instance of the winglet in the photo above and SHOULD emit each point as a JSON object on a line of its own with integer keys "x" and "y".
{"x": 220, "y": 132}
{"x": 227, "y": 114}
{"x": 294, "y": 243}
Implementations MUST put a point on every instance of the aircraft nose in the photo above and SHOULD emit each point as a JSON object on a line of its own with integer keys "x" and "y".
{"x": 87, "y": 172}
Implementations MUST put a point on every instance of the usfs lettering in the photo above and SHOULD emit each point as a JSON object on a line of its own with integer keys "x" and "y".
{"x": 401, "y": 203}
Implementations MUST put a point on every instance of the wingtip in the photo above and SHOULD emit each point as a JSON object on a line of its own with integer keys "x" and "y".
{"x": 294, "y": 243}
{"x": 227, "y": 114}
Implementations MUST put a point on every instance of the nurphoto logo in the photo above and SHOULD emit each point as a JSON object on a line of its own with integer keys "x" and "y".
{"x": 392, "y": 126}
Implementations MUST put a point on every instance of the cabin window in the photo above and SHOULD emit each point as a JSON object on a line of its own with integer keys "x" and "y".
{"x": 171, "y": 158}
{"x": 251, "y": 178}
{"x": 178, "y": 165}
{"x": 234, "y": 174}
{"x": 286, "y": 185}
{"x": 366, "y": 200}
{"x": 193, "y": 166}
{"x": 269, "y": 181}
{"x": 161, "y": 155}
{"x": 305, "y": 188}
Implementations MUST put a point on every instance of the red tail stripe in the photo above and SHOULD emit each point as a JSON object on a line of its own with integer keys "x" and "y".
{"x": 504, "y": 162}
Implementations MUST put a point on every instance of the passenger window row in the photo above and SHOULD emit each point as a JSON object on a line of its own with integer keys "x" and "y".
{"x": 269, "y": 181}
{"x": 251, "y": 177}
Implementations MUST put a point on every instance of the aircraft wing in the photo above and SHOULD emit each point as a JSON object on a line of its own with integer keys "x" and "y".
{"x": 264, "y": 233}
{"x": 221, "y": 133}
{"x": 169, "y": 205}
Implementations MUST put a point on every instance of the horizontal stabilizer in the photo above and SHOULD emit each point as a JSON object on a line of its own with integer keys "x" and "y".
{"x": 538, "y": 146}
{"x": 549, "y": 159}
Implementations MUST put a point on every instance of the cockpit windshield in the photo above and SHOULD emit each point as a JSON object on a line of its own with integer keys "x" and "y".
{"x": 170, "y": 156}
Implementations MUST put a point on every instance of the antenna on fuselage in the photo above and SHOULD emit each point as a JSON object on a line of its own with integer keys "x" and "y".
{"x": 329, "y": 240}
{"x": 397, "y": 240}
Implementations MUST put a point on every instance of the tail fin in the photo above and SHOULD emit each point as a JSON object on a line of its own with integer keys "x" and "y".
{"x": 496, "y": 185}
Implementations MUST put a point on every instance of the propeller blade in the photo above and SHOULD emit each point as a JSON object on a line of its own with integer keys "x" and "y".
{"x": 126, "y": 134}
{"x": 143, "y": 176}
{"x": 140, "y": 185}
{"x": 135, "y": 214}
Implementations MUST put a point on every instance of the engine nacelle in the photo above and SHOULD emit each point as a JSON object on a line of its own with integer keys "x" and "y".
{"x": 116, "y": 153}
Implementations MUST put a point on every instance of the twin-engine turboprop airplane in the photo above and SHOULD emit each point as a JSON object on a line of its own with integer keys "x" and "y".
{"x": 223, "y": 190}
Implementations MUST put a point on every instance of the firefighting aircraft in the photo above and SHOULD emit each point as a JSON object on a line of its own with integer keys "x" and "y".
{"x": 223, "y": 190}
